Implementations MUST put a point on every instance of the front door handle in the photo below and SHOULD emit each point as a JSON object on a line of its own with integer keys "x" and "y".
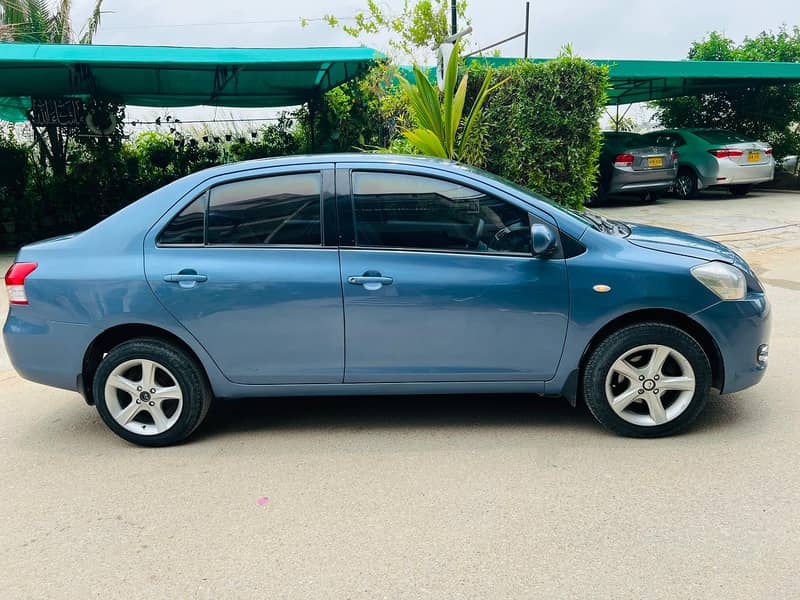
{"x": 370, "y": 280}
{"x": 187, "y": 278}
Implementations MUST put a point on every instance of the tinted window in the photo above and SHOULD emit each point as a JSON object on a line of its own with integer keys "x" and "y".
{"x": 188, "y": 227}
{"x": 407, "y": 211}
{"x": 664, "y": 139}
{"x": 272, "y": 210}
{"x": 722, "y": 136}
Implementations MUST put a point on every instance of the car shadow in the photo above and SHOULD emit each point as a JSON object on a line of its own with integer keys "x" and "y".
{"x": 385, "y": 412}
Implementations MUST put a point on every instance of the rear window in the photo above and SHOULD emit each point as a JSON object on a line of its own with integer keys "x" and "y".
{"x": 663, "y": 139}
{"x": 722, "y": 136}
{"x": 618, "y": 138}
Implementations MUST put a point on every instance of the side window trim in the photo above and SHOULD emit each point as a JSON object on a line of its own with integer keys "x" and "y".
{"x": 347, "y": 212}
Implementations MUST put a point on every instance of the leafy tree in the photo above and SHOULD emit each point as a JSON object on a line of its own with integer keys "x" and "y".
{"x": 769, "y": 113}
{"x": 421, "y": 24}
{"x": 440, "y": 127}
{"x": 32, "y": 21}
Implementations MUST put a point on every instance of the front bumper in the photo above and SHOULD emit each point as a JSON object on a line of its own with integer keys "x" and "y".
{"x": 740, "y": 329}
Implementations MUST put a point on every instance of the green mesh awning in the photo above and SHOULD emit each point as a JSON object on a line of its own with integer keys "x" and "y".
{"x": 642, "y": 80}
{"x": 632, "y": 81}
{"x": 166, "y": 76}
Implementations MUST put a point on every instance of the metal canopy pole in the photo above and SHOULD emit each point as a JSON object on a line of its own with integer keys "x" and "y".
{"x": 453, "y": 18}
{"x": 527, "y": 25}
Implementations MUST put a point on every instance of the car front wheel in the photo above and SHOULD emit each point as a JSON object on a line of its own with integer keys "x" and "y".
{"x": 647, "y": 380}
{"x": 151, "y": 393}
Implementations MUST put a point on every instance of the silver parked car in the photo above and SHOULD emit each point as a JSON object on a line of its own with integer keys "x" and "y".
{"x": 709, "y": 158}
{"x": 631, "y": 165}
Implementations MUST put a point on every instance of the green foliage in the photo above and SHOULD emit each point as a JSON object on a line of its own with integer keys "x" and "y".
{"x": 420, "y": 24}
{"x": 440, "y": 128}
{"x": 363, "y": 113}
{"x": 31, "y": 21}
{"x": 769, "y": 113}
{"x": 544, "y": 129}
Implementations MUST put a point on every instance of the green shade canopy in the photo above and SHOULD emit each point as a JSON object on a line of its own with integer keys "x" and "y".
{"x": 166, "y": 76}
{"x": 642, "y": 80}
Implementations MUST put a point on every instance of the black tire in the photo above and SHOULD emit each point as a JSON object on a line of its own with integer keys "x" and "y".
{"x": 686, "y": 184}
{"x": 616, "y": 345}
{"x": 740, "y": 191}
{"x": 188, "y": 374}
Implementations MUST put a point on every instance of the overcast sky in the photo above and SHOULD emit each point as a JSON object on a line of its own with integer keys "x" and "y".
{"x": 594, "y": 28}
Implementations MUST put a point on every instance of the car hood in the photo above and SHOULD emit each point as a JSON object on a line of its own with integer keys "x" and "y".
{"x": 684, "y": 244}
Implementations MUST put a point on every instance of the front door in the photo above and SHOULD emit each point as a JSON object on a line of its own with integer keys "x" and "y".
{"x": 440, "y": 284}
{"x": 244, "y": 268}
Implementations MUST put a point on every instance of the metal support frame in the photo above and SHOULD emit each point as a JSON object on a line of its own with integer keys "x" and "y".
{"x": 527, "y": 25}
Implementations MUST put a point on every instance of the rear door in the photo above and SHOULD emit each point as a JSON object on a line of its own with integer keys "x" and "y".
{"x": 246, "y": 268}
{"x": 440, "y": 284}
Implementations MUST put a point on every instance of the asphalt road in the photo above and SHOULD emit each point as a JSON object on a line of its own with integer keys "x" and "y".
{"x": 457, "y": 497}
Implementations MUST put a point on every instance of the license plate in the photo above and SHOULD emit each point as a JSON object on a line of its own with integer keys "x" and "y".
{"x": 754, "y": 157}
{"x": 655, "y": 163}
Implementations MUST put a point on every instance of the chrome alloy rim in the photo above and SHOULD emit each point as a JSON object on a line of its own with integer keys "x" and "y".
{"x": 683, "y": 185}
{"x": 650, "y": 385}
{"x": 143, "y": 397}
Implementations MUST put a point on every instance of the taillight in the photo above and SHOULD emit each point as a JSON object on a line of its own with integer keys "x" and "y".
{"x": 623, "y": 160}
{"x": 727, "y": 153}
{"x": 768, "y": 151}
{"x": 674, "y": 157}
{"x": 15, "y": 282}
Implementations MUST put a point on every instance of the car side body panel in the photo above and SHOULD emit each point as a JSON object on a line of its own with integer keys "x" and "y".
{"x": 93, "y": 281}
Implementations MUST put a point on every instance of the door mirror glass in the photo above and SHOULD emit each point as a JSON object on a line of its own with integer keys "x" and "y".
{"x": 543, "y": 240}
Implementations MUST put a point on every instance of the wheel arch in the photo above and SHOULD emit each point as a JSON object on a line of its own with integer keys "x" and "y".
{"x": 669, "y": 317}
{"x": 116, "y": 335}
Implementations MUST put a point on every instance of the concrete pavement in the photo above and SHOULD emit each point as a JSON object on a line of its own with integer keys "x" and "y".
{"x": 478, "y": 497}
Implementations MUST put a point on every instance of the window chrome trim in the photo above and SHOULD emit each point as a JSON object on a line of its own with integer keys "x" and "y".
{"x": 431, "y": 251}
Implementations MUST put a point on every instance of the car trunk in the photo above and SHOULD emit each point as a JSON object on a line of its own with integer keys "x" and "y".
{"x": 652, "y": 158}
{"x": 753, "y": 153}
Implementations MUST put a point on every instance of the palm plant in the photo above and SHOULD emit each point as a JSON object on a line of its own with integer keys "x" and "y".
{"x": 32, "y": 21}
{"x": 440, "y": 127}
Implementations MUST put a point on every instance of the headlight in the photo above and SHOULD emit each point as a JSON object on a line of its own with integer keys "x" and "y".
{"x": 725, "y": 280}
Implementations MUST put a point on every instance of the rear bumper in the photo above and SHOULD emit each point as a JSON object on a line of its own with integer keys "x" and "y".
{"x": 730, "y": 173}
{"x": 46, "y": 352}
{"x": 740, "y": 328}
{"x": 629, "y": 181}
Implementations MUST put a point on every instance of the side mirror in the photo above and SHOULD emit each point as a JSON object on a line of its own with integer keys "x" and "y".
{"x": 544, "y": 240}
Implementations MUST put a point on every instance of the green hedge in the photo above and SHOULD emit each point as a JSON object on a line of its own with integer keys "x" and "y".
{"x": 543, "y": 126}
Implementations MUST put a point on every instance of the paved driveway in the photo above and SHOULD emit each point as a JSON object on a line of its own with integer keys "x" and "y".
{"x": 490, "y": 497}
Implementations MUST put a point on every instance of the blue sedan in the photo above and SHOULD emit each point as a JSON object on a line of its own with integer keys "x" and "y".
{"x": 379, "y": 274}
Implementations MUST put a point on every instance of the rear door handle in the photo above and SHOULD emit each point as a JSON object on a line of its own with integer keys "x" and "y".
{"x": 188, "y": 278}
{"x": 369, "y": 281}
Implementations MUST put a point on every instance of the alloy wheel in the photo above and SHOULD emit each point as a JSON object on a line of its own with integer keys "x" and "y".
{"x": 650, "y": 385}
{"x": 143, "y": 397}
{"x": 683, "y": 186}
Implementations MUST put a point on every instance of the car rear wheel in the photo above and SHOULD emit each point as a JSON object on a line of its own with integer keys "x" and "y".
{"x": 647, "y": 380}
{"x": 686, "y": 184}
{"x": 739, "y": 191}
{"x": 151, "y": 393}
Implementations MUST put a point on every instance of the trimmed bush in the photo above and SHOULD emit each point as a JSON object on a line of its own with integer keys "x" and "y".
{"x": 543, "y": 126}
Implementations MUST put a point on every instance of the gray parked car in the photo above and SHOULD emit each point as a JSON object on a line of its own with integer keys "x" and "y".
{"x": 710, "y": 158}
{"x": 631, "y": 165}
